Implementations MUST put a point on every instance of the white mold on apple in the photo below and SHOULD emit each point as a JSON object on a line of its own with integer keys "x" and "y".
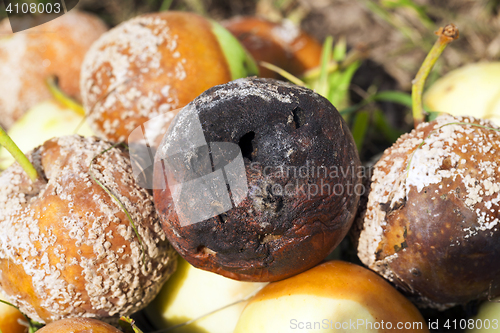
{"x": 67, "y": 247}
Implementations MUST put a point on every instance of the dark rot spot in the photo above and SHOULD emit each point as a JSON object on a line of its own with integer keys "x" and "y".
{"x": 248, "y": 146}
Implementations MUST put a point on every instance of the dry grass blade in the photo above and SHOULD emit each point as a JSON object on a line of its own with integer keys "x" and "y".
{"x": 290, "y": 77}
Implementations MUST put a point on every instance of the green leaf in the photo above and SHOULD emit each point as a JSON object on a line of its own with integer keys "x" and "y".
{"x": 322, "y": 86}
{"x": 353, "y": 108}
{"x": 165, "y": 5}
{"x": 339, "y": 85}
{"x": 360, "y": 127}
{"x": 240, "y": 61}
{"x": 282, "y": 72}
{"x": 340, "y": 50}
{"x": 390, "y": 133}
{"x": 393, "y": 96}
{"x": 419, "y": 10}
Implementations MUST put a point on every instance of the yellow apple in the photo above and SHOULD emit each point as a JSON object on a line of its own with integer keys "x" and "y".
{"x": 334, "y": 296}
{"x": 42, "y": 122}
{"x": 193, "y": 293}
{"x": 487, "y": 320}
{"x": 472, "y": 90}
{"x": 11, "y": 318}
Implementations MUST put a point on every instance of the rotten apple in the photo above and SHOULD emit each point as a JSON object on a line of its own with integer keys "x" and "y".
{"x": 257, "y": 180}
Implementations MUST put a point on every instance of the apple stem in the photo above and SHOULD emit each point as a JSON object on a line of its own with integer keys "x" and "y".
{"x": 18, "y": 155}
{"x": 446, "y": 35}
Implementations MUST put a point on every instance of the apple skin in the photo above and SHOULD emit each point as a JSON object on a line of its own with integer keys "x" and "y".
{"x": 153, "y": 64}
{"x": 266, "y": 236}
{"x": 471, "y": 90}
{"x": 65, "y": 223}
{"x": 488, "y": 316}
{"x": 192, "y": 292}
{"x": 28, "y": 58}
{"x": 431, "y": 224}
{"x": 281, "y": 44}
{"x": 10, "y": 317}
{"x": 44, "y": 121}
{"x": 333, "y": 292}
{"x": 78, "y": 325}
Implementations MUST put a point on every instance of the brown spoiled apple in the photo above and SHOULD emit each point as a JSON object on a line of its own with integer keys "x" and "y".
{"x": 433, "y": 230}
{"x": 67, "y": 248}
{"x": 281, "y": 44}
{"x": 147, "y": 66}
{"x": 29, "y": 58}
{"x": 333, "y": 293}
{"x": 78, "y": 325}
{"x": 278, "y": 223}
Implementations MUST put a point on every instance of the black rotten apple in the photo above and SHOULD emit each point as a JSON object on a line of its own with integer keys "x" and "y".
{"x": 256, "y": 180}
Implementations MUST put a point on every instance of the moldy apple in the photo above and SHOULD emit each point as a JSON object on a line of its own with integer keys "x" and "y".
{"x": 67, "y": 248}
{"x": 432, "y": 224}
{"x": 28, "y": 59}
{"x": 249, "y": 192}
{"x": 153, "y": 64}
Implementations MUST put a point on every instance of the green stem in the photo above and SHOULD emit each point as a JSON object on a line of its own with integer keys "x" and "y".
{"x": 446, "y": 35}
{"x": 18, "y": 155}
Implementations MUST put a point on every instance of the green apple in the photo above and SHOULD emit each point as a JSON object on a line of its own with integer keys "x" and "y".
{"x": 42, "y": 122}
{"x": 472, "y": 90}
{"x": 487, "y": 320}
{"x": 210, "y": 302}
{"x": 333, "y": 296}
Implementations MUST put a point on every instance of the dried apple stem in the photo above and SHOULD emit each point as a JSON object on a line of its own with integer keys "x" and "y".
{"x": 18, "y": 155}
{"x": 446, "y": 35}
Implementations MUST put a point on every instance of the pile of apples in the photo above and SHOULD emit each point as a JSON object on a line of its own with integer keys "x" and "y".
{"x": 85, "y": 241}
